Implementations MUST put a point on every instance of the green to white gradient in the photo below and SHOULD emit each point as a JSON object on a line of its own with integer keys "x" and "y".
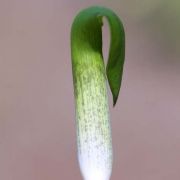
{"x": 89, "y": 74}
{"x": 93, "y": 126}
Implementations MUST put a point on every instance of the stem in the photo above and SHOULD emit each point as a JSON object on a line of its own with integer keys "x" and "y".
{"x": 89, "y": 77}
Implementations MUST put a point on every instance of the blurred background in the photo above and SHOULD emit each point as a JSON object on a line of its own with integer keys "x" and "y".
{"x": 37, "y": 124}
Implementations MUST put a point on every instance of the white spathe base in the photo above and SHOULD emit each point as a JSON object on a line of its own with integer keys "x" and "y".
{"x": 95, "y": 166}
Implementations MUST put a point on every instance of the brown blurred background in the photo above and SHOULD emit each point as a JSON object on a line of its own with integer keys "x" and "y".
{"x": 37, "y": 124}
